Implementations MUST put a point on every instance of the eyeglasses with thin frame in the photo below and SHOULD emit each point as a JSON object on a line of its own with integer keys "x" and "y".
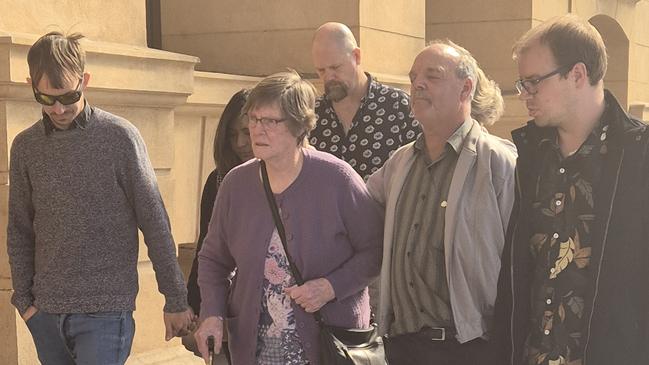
{"x": 267, "y": 123}
{"x": 531, "y": 85}
{"x": 65, "y": 99}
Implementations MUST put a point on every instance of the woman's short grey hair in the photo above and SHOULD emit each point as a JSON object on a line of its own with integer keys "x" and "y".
{"x": 295, "y": 97}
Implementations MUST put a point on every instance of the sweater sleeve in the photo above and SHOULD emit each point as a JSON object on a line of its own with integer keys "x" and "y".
{"x": 20, "y": 230}
{"x": 142, "y": 191}
{"x": 364, "y": 224}
{"x": 215, "y": 262}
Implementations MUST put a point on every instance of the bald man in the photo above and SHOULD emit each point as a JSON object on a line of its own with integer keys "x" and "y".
{"x": 360, "y": 120}
{"x": 447, "y": 200}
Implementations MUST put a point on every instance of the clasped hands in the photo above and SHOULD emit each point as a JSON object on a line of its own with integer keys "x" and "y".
{"x": 312, "y": 295}
{"x": 179, "y": 324}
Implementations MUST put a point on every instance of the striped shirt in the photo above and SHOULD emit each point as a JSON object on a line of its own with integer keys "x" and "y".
{"x": 419, "y": 290}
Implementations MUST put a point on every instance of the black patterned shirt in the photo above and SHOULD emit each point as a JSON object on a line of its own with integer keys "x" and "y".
{"x": 382, "y": 124}
{"x": 563, "y": 217}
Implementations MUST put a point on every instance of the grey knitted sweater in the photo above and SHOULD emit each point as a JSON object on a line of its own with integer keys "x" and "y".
{"x": 76, "y": 201}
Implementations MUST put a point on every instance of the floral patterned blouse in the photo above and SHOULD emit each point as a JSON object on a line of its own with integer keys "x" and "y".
{"x": 278, "y": 342}
{"x": 563, "y": 215}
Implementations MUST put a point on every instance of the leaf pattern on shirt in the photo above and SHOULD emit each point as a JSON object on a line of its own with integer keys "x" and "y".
{"x": 562, "y": 312}
{"x": 561, "y": 266}
{"x": 582, "y": 255}
{"x": 539, "y": 358}
{"x": 586, "y": 220}
{"x": 586, "y": 190}
{"x": 566, "y": 255}
{"x": 573, "y": 193}
{"x": 576, "y": 305}
{"x": 559, "y": 361}
{"x": 537, "y": 241}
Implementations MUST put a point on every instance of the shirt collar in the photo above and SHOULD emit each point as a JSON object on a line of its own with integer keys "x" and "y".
{"x": 372, "y": 87}
{"x": 455, "y": 141}
{"x": 549, "y": 136}
{"x": 80, "y": 121}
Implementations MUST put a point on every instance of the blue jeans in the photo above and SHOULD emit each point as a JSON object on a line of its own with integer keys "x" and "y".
{"x": 103, "y": 338}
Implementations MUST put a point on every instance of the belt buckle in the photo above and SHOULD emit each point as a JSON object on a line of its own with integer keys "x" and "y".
{"x": 438, "y": 334}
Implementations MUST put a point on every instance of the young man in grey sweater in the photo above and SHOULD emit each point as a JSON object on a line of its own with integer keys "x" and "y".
{"x": 81, "y": 185}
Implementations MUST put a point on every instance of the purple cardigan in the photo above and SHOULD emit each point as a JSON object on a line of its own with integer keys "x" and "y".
{"x": 333, "y": 228}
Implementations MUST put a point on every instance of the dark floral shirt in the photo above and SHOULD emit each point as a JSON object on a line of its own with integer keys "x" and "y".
{"x": 563, "y": 216}
{"x": 382, "y": 124}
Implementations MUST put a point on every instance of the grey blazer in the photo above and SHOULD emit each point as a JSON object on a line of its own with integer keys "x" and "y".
{"x": 479, "y": 205}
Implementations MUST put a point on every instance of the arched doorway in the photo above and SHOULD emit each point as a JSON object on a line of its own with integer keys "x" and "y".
{"x": 617, "y": 46}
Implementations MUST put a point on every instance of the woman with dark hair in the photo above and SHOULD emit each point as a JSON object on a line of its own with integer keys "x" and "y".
{"x": 231, "y": 148}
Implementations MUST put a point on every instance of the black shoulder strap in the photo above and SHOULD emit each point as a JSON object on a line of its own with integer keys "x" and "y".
{"x": 282, "y": 233}
{"x": 278, "y": 222}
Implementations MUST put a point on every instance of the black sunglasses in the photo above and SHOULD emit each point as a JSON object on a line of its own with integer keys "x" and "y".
{"x": 65, "y": 99}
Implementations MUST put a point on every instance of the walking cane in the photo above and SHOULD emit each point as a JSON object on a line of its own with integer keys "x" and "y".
{"x": 210, "y": 349}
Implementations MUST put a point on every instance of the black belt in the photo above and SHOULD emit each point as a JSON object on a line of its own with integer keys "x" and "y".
{"x": 433, "y": 334}
{"x": 437, "y": 333}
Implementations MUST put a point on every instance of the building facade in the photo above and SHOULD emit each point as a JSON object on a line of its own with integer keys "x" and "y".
{"x": 170, "y": 66}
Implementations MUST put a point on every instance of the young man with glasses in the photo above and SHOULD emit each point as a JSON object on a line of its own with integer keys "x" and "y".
{"x": 574, "y": 277}
{"x": 81, "y": 185}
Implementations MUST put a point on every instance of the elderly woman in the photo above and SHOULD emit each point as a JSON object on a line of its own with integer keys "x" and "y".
{"x": 333, "y": 232}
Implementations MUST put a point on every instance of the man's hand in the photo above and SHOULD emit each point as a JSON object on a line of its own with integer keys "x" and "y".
{"x": 211, "y": 326}
{"x": 178, "y": 324}
{"x": 29, "y": 313}
{"x": 312, "y": 295}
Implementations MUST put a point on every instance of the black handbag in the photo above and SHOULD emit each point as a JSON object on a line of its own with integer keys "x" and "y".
{"x": 338, "y": 346}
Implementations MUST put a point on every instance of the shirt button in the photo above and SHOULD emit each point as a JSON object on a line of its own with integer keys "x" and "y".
{"x": 555, "y": 235}
{"x": 546, "y": 332}
{"x": 549, "y": 301}
{"x": 444, "y": 204}
{"x": 552, "y": 270}
{"x": 562, "y": 170}
{"x": 558, "y": 202}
